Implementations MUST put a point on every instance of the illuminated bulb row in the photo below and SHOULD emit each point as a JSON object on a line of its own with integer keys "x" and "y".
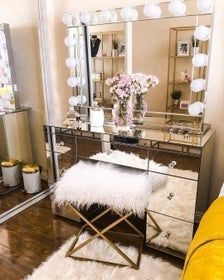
{"x": 76, "y": 81}
{"x": 151, "y": 10}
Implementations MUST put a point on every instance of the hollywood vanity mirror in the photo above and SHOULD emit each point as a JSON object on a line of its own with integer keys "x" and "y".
{"x": 147, "y": 68}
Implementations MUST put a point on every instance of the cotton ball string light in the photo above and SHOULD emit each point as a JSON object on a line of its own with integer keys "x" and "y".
{"x": 106, "y": 15}
{"x": 152, "y": 10}
{"x": 70, "y": 41}
{"x": 202, "y": 33}
{"x": 200, "y": 60}
{"x": 86, "y": 18}
{"x": 195, "y": 108}
{"x": 71, "y": 62}
{"x": 205, "y": 6}
{"x": 68, "y": 18}
{"x": 177, "y": 7}
{"x": 198, "y": 85}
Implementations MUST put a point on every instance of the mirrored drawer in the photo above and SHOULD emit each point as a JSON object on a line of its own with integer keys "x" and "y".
{"x": 173, "y": 196}
{"x": 163, "y": 232}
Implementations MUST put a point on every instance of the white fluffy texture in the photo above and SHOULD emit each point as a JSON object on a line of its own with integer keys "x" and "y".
{"x": 58, "y": 267}
{"x": 87, "y": 183}
{"x": 156, "y": 180}
{"x": 182, "y": 204}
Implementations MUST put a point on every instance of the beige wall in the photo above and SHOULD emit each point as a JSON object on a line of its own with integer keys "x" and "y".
{"x": 22, "y": 17}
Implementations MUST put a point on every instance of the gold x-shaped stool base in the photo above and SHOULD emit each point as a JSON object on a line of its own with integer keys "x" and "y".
{"x": 155, "y": 226}
{"x": 101, "y": 233}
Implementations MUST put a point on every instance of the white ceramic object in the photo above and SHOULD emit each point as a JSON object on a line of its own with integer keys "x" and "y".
{"x": 152, "y": 10}
{"x": 195, "y": 108}
{"x": 198, "y": 85}
{"x": 32, "y": 182}
{"x": 202, "y": 33}
{"x": 205, "y": 6}
{"x": 200, "y": 60}
{"x": 11, "y": 176}
{"x": 177, "y": 7}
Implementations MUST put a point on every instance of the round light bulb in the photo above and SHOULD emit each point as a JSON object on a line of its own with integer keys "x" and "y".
{"x": 177, "y": 7}
{"x": 73, "y": 81}
{"x": 73, "y": 101}
{"x": 106, "y": 15}
{"x": 70, "y": 41}
{"x": 200, "y": 60}
{"x": 134, "y": 14}
{"x": 67, "y": 19}
{"x": 86, "y": 18}
{"x": 152, "y": 10}
{"x": 202, "y": 33}
{"x": 71, "y": 62}
{"x": 195, "y": 108}
{"x": 198, "y": 85}
{"x": 82, "y": 82}
{"x": 94, "y": 18}
{"x": 205, "y": 6}
{"x": 126, "y": 13}
{"x": 114, "y": 16}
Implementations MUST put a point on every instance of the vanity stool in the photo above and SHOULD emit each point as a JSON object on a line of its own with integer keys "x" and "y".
{"x": 123, "y": 192}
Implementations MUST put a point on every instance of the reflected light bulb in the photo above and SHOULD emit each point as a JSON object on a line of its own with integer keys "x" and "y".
{"x": 71, "y": 62}
{"x": 152, "y": 10}
{"x": 67, "y": 19}
{"x": 202, "y": 33}
{"x": 195, "y": 108}
{"x": 77, "y": 100}
{"x": 85, "y": 18}
{"x": 200, "y": 60}
{"x": 205, "y": 6}
{"x": 198, "y": 85}
{"x": 70, "y": 41}
{"x": 106, "y": 15}
{"x": 94, "y": 18}
{"x": 177, "y": 7}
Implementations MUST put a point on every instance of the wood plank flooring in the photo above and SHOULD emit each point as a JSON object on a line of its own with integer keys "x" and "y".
{"x": 30, "y": 237}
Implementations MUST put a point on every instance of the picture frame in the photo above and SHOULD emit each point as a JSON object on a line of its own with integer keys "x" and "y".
{"x": 184, "y": 104}
{"x": 183, "y": 48}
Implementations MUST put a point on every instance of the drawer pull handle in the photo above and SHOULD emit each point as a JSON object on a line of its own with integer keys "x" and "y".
{"x": 168, "y": 233}
{"x": 170, "y": 196}
{"x": 172, "y": 164}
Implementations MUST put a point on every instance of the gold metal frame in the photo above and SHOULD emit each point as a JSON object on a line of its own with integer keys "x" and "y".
{"x": 156, "y": 227}
{"x": 100, "y": 233}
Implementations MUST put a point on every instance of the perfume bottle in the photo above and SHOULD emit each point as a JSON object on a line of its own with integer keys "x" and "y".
{"x": 96, "y": 115}
{"x": 71, "y": 118}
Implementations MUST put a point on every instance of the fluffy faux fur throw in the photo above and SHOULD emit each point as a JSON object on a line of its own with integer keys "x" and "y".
{"x": 87, "y": 183}
{"x": 157, "y": 175}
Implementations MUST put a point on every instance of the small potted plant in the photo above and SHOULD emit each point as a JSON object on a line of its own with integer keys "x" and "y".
{"x": 176, "y": 95}
{"x": 115, "y": 47}
{"x": 195, "y": 45}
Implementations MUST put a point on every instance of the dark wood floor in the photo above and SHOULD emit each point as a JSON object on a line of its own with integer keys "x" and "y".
{"x": 30, "y": 237}
{"x": 16, "y": 197}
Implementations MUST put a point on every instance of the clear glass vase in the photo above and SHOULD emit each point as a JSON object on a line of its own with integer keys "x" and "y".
{"x": 140, "y": 108}
{"x": 123, "y": 113}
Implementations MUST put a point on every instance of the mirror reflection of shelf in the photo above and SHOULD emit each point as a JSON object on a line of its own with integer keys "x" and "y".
{"x": 105, "y": 63}
{"x": 180, "y": 63}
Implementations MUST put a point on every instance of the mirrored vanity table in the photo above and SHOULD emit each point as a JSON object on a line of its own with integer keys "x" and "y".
{"x": 177, "y": 204}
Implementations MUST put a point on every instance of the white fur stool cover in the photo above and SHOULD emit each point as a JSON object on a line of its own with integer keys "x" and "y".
{"x": 88, "y": 183}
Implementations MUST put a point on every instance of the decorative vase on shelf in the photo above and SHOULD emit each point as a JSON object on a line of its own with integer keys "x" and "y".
{"x": 140, "y": 108}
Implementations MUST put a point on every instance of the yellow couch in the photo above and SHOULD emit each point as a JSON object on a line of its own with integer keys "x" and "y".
{"x": 205, "y": 257}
